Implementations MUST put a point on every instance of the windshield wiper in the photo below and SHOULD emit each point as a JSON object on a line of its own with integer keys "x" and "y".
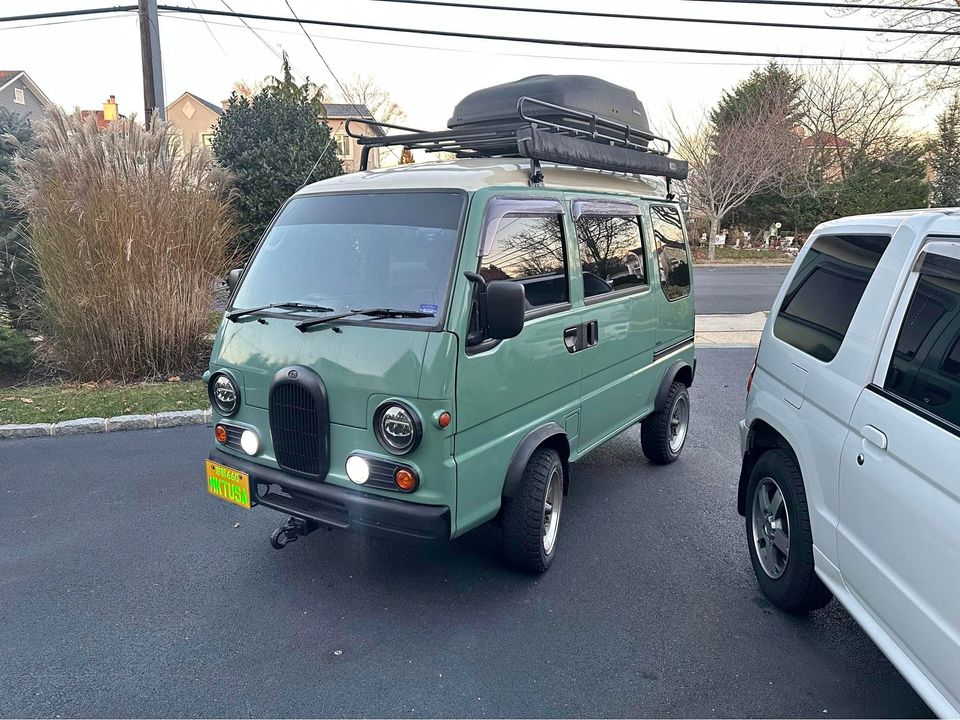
{"x": 305, "y": 325}
{"x": 237, "y": 314}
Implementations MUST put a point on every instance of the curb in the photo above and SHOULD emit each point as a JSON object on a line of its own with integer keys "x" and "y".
{"x": 83, "y": 426}
{"x": 742, "y": 265}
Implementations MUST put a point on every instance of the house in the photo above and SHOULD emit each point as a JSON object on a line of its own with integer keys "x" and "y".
{"x": 103, "y": 118}
{"x": 19, "y": 94}
{"x": 347, "y": 148}
{"x": 831, "y": 150}
{"x": 195, "y": 117}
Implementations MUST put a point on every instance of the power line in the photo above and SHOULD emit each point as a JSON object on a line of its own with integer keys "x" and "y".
{"x": 439, "y": 48}
{"x": 343, "y": 91}
{"x": 70, "y": 21}
{"x": 320, "y": 55}
{"x": 577, "y": 43}
{"x": 667, "y": 18}
{"x": 69, "y": 13}
{"x": 837, "y": 5}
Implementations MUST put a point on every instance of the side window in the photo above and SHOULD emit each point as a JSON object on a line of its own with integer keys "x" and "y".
{"x": 671, "y": 251}
{"x": 611, "y": 254}
{"x": 529, "y": 250}
{"x": 925, "y": 368}
{"x": 825, "y": 292}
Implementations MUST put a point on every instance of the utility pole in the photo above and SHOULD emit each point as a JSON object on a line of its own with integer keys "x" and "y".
{"x": 150, "y": 55}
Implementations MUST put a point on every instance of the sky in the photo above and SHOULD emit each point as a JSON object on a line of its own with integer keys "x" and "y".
{"x": 79, "y": 64}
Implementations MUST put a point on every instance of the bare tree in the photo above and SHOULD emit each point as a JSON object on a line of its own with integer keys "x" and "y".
{"x": 750, "y": 153}
{"x": 938, "y": 39}
{"x": 844, "y": 116}
{"x": 365, "y": 91}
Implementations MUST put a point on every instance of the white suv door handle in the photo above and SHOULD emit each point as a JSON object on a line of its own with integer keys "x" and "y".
{"x": 875, "y": 436}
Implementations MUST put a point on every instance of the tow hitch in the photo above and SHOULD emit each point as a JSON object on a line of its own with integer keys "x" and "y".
{"x": 295, "y": 528}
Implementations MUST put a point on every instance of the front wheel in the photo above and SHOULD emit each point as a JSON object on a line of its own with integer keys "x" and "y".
{"x": 779, "y": 536}
{"x": 531, "y": 519}
{"x": 664, "y": 432}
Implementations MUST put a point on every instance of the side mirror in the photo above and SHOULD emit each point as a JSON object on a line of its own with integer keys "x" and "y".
{"x": 233, "y": 277}
{"x": 505, "y": 302}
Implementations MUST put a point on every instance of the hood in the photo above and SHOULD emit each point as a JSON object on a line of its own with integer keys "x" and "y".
{"x": 355, "y": 363}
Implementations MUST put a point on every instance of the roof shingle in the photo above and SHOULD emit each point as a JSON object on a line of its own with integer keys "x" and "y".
{"x": 344, "y": 110}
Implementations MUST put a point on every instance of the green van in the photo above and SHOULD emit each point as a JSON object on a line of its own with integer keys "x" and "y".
{"x": 412, "y": 352}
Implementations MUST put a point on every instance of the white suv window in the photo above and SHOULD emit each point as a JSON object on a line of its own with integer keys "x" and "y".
{"x": 925, "y": 368}
{"x": 826, "y": 291}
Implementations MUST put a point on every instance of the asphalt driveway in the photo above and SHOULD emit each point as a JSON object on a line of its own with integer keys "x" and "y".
{"x": 127, "y": 591}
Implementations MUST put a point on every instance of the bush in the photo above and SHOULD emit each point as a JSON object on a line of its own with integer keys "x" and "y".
{"x": 129, "y": 230}
{"x": 270, "y": 142}
{"x": 18, "y": 276}
{"x": 16, "y": 351}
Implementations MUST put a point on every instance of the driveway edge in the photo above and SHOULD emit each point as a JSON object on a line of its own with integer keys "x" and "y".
{"x": 83, "y": 426}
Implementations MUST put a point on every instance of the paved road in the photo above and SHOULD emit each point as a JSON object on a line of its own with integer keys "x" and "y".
{"x": 737, "y": 289}
{"x": 127, "y": 591}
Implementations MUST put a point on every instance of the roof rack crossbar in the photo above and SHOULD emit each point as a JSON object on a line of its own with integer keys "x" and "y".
{"x": 595, "y": 124}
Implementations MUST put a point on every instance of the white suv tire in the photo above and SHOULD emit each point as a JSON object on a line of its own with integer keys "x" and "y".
{"x": 779, "y": 537}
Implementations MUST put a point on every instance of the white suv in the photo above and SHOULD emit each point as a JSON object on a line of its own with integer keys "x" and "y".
{"x": 850, "y": 483}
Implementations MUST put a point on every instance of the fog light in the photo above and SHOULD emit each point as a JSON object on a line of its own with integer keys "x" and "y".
{"x": 220, "y": 432}
{"x": 405, "y": 480}
{"x": 250, "y": 442}
{"x": 358, "y": 469}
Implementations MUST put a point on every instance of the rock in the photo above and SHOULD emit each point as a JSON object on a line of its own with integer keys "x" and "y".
{"x": 181, "y": 417}
{"x": 77, "y": 427}
{"x": 131, "y": 422}
{"x": 26, "y": 431}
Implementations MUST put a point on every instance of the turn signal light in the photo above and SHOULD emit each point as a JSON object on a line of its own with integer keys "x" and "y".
{"x": 443, "y": 419}
{"x": 406, "y": 480}
{"x": 220, "y": 432}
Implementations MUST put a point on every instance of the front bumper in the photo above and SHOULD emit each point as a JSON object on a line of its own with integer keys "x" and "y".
{"x": 335, "y": 506}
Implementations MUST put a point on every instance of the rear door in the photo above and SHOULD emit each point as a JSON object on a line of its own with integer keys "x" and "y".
{"x": 899, "y": 531}
{"x": 675, "y": 314}
{"x": 506, "y": 389}
{"x": 619, "y": 319}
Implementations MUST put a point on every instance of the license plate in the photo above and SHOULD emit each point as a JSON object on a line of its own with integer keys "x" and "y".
{"x": 228, "y": 484}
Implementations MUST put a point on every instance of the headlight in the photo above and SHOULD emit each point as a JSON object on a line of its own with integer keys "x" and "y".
{"x": 250, "y": 442}
{"x": 397, "y": 427}
{"x": 224, "y": 394}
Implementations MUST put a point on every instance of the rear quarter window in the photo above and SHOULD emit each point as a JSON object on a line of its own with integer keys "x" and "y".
{"x": 826, "y": 291}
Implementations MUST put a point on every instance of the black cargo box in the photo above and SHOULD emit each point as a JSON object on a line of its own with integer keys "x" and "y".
{"x": 579, "y": 92}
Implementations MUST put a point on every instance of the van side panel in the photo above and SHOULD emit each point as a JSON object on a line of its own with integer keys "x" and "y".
{"x": 675, "y": 318}
{"x": 508, "y": 390}
{"x": 618, "y": 386}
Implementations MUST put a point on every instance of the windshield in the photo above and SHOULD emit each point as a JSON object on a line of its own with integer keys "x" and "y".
{"x": 382, "y": 250}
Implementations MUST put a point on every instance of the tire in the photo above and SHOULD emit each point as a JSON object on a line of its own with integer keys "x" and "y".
{"x": 525, "y": 516}
{"x": 788, "y": 579}
{"x": 661, "y": 442}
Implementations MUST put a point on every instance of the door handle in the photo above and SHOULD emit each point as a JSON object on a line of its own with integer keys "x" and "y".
{"x": 874, "y": 436}
{"x": 571, "y": 338}
{"x": 593, "y": 333}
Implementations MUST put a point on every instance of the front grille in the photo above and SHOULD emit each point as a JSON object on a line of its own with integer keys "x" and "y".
{"x": 298, "y": 423}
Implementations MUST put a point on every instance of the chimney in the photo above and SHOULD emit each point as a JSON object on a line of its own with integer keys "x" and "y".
{"x": 110, "y": 109}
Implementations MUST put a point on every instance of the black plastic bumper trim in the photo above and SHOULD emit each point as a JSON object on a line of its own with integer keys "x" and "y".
{"x": 365, "y": 514}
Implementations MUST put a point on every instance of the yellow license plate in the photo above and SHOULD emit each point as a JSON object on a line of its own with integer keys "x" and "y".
{"x": 228, "y": 484}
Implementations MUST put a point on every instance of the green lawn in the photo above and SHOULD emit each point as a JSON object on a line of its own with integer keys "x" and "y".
{"x": 53, "y": 403}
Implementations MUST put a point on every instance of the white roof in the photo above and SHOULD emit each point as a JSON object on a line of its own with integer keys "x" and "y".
{"x": 474, "y": 174}
{"x": 889, "y": 219}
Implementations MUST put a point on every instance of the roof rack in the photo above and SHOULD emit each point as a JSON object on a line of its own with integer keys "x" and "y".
{"x": 541, "y": 132}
